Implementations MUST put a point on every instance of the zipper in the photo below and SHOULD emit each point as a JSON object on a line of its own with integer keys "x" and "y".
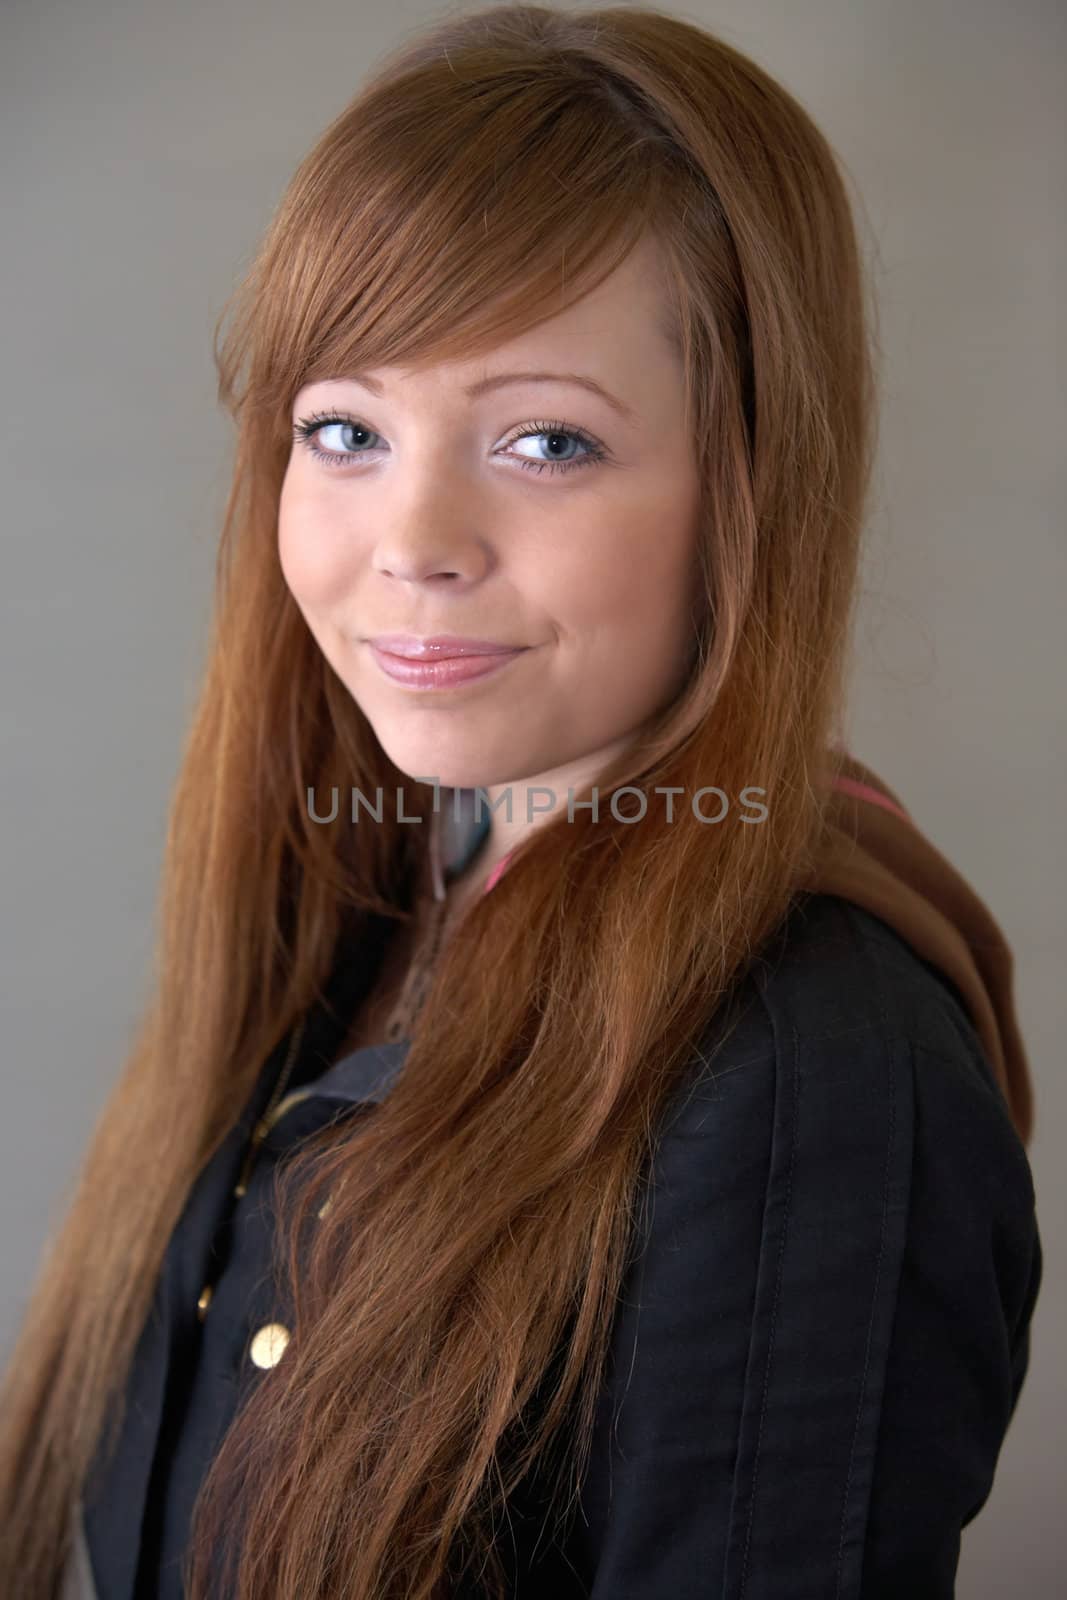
{"x": 276, "y": 1107}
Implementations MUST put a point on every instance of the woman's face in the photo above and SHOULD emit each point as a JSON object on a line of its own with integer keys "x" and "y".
{"x": 432, "y": 515}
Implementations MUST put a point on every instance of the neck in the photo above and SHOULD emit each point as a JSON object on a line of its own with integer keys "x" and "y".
{"x": 519, "y": 806}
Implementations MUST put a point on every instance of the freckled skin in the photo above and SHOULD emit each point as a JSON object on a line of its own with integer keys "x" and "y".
{"x": 428, "y": 523}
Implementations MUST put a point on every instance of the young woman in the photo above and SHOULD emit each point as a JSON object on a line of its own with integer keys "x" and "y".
{"x": 618, "y": 1188}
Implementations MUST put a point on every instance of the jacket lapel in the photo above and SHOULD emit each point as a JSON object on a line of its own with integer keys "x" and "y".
{"x": 117, "y": 1484}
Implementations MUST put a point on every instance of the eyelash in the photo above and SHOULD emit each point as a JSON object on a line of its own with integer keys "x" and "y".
{"x": 305, "y": 430}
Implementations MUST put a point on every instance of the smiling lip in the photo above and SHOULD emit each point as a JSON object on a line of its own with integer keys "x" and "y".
{"x": 442, "y": 672}
{"x": 441, "y": 647}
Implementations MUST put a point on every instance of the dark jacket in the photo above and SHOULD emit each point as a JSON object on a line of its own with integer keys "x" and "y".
{"x": 822, "y": 1335}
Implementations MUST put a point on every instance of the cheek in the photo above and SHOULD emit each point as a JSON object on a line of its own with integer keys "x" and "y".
{"x": 312, "y": 555}
{"x": 637, "y": 601}
{"x": 631, "y": 586}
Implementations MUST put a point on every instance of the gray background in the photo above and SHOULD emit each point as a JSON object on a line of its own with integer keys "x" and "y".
{"x": 144, "y": 146}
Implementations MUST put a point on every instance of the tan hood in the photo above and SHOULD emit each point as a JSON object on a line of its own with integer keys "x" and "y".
{"x": 876, "y": 857}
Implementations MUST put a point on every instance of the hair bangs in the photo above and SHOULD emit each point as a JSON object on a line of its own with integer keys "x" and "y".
{"x": 540, "y": 188}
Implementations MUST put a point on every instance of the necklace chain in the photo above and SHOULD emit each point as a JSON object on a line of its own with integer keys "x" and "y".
{"x": 401, "y": 1018}
{"x": 419, "y": 975}
{"x": 417, "y": 979}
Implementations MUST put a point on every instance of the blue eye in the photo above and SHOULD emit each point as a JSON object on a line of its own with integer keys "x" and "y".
{"x": 307, "y": 430}
{"x": 594, "y": 452}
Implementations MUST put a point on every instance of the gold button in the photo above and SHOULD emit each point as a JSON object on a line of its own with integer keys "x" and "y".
{"x": 325, "y": 1206}
{"x": 268, "y": 1345}
{"x": 204, "y": 1301}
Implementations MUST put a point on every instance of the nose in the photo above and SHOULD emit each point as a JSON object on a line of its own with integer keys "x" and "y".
{"x": 432, "y": 545}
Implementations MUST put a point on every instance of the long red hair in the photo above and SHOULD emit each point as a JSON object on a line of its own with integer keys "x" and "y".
{"x": 488, "y": 174}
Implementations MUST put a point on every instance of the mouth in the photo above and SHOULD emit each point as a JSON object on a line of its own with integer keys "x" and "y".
{"x": 442, "y": 646}
{"x": 444, "y": 671}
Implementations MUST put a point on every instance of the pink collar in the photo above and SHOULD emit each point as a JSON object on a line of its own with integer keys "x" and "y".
{"x": 497, "y": 872}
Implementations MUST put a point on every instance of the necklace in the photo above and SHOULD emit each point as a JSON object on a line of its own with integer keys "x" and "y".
{"x": 412, "y": 995}
{"x": 419, "y": 975}
{"x": 401, "y": 1018}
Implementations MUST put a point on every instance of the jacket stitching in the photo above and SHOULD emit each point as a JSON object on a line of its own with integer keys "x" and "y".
{"x": 887, "y": 1168}
{"x": 774, "y": 1320}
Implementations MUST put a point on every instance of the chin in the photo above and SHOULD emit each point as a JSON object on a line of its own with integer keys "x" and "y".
{"x": 450, "y": 769}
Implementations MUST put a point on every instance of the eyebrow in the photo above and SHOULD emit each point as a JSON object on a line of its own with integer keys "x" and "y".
{"x": 499, "y": 379}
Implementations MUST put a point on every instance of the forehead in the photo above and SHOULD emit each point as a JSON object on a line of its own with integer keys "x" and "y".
{"x": 612, "y": 342}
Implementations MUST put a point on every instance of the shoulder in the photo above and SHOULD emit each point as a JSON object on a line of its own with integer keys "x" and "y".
{"x": 847, "y": 1094}
{"x": 852, "y": 1031}
{"x": 824, "y": 1328}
